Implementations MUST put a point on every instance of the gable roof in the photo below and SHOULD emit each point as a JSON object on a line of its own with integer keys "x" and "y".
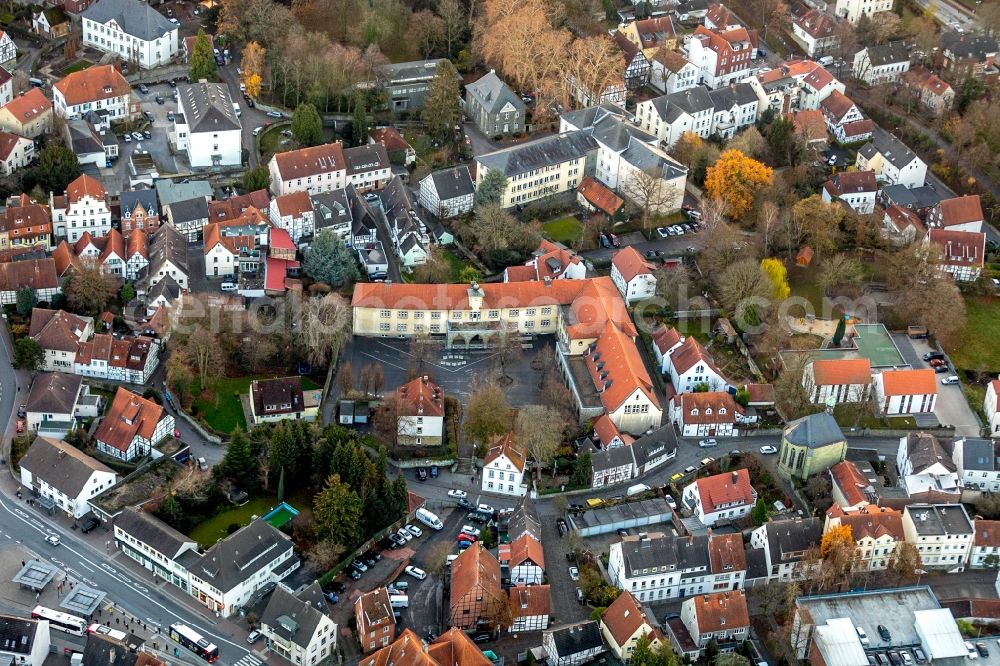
{"x": 39, "y": 274}
{"x": 373, "y": 609}
{"x": 666, "y": 337}
{"x": 688, "y": 354}
{"x": 617, "y": 369}
{"x": 854, "y": 486}
{"x": 238, "y": 557}
{"x": 576, "y": 638}
{"x": 406, "y": 650}
{"x": 505, "y": 446}
{"x": 133, "y": 17}
{"x": 624, "y": 617}
{"x": 817, "y": 24}
{"x": 599, "y": 196}
{"x": 892, "y": 150}
{"x": 918, "y": 381}
{"x": 54, "y": 393}
{"x": 887, "y": 54}
{"x": 366, "y": 157}
{"x": 842, "y": 371}
{"x": 85, "y": 186}
{"x": 207, "y": 107}
{"x": 492, "y": 93}
{"x": 57, "y": 329}
{"x": 710, "y": 406}
{"x": 8, "y": 142}
{"x": 420, "y": 396}
{"x": 726, "y": 553}
{"x": 874, "y": 522}
{"x": 452, "y": 183}
{"x": 965, "y": 45}
{"x": 530, "y": 600}
{"x": 721, "y": 611}
{"x": 25, "y": 108}
{"x": 305, "y": 610}
{"x": 526, "y": 548}
{"x": 958, "y": 210}
{"x": 539, "y": 153}
{"x": 810, "y": 124}
{"x": 455, "y": 648}
{"x": 129, "y": 415}
{"x": 64, "y": 467}
{"x": 837, "y": 105}
{"x": 95, "y": 83}
{"x": 475, "y": 568}
{"x": 959, "y": 248}
{"x": 724, "y": 489}
{"x": 924, "y": 450}
{"x": 311, "y": 161}
{"x": 149, "y": 530}
{"x": 630, "y": 264}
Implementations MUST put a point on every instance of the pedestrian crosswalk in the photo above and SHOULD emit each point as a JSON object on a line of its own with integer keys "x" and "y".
{"x": 249, "y": 660}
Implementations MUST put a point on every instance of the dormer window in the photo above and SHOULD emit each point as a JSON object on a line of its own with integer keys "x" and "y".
{"x": 722, "y": 410}
{"x": 708, "y": 411}
{"x": 694, "y": 412}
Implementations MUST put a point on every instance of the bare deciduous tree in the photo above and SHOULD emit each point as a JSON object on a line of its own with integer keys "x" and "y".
{"x": 539, "y": 431}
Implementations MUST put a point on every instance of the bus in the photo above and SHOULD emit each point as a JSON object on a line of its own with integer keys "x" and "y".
{"x": 103, "y": 630}
{"x": 193, "y": 641}
{"x": 71, "y": 624}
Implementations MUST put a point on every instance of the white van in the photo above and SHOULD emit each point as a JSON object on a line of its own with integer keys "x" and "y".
{"x": 637, "y": 489}
{"x": 236, "y": 110}
{"x": 228, "y": 286}
{"x": 429, "y": 519}
{"x": 826, "y": 60}
{"x": 399, "y": 601}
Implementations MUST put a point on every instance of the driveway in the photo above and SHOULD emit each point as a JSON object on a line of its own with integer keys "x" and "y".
{"x": 951, "y": 408}
{"x": 672, "y": 246}
{"x": 249, "y": 118}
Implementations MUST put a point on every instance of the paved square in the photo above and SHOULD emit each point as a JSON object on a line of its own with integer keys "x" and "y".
{"x": 454, "y": 370}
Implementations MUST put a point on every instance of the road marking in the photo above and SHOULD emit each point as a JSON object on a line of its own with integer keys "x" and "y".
{"x": 249, "y": 660}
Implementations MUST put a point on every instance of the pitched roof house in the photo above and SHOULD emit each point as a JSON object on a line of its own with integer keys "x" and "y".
{"x": 961, "y": 253}
{"x": 722, "y": 497}
{"x": 476, "y": 597}
{"x": 909, "y": 391}
{"x": 28, "y": 115}
{"x": 722, "y": 617}
{"x": 963, "y": 213}
{"x": 376, "y": 625}
{"x": 708, "y": 414}
{"x": 65, "y": 475}
{"x": 838, "y": 381}
{"x": 132, "y": 426}
{"x": 624, "y": 622}
{"x": 298, "y": 626}
{"x": 633, "y": 275}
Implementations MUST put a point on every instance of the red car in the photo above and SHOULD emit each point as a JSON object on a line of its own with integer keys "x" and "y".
{"x": 937, "y": 362}
{"x": 465, "y": 537}
{"x": 20, "y": 426}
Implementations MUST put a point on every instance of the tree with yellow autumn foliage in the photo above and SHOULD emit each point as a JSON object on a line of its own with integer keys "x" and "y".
{"x": 778, "y": 274}
{"x": 253, "y": 67}
{"x": 837, "y": 537}
{"x": 736, "y": 179}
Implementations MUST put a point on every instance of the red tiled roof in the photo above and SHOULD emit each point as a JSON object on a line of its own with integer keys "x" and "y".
{"x": 95, "y": 83}
{"x": 293, "y": 205}
{"x": 810, "y": 123}
{"x": 504, "y": 446}
{"x": 919, "y": 77}
{"x": 406, "y": 650}
{"x": 816, "y": 24}
{"x": 525, "y": 548}
{"x": 726, "y": 553}
{"x": 837, "y": 105}
{"x": 630, "y": 263}
{"x": 902, "y": 218}
{"x": 548, "y": 251}
{"x": 390, "y": 138}
{"x": 918, "y": 381}
{"x": 28, "y": 106}
{"x": 455, "y": 648}
{"x": 137, "y": 244}
{"x": 652, "y": 30}
{"x": 622, "y": 371}
{"x": 709, "y": 407}
{"x": 280, "y": 240}
{"x": 842, "y": 371}
{"x": 858, "y": 128}
{"x": 420, "y": 396}
{"x": 666, "y": 337}
{"x": 851, "y": 182}
{"x": 760, "y": 394}
{"x": 959, "y": 210}
{"x": 818, "y": 78}
{"x": 959, "y": 248}
{"x": 234, "y": 207}
{"x": 129, "y": 415}
{"x": 520, "y": 273}
{"x": 83, "y": 186}
{"x": 600, "y": 196}
{"x": 851, "y": 481}
{"x": 688, "y": 354}
{"x": 56, "y": 329}
{"x": 530, "y": 600}
{"x": 311, "y": 161}
{"x": 727, "y": 488}
{"x": 987, "y": 533}
{"x": 874, "y": 522}
{"x": 64, "y": 257}
{"x": 606, "y": 431}
{"x": 8, "y": 142}
{"x": 30, "y": 218}
{"x": 721, "y": 611}
{"x": 34, "y": 273}
{"x": 474, "y": 568}
{"x": 624, "y": 617}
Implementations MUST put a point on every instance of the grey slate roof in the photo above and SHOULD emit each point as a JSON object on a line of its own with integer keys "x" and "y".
{"x": 331, "y": 208}
{"x": 189, "y": 210}
{"x": 938, "y": 519}
{"x": 607, "y": 459}
{"x": 241, "y": 555}
{"x": 145, "y": 197}
{"x": 60, "y": 465}
{"x": 924, "y": 196}
{"x": 295, "y": 617}
{"x": 665, "y": 551}
{"x": 167, "y": 287}
{"x": 756, "y": 563}
{"x": 964, "y": 45}
{"x": 84, "y": 139}
{"x": 727, "y": 97}
{"x": 170, "y": 192}
{"x": 787, "y": 538}
{"x": 892, "y": 149}
{"x": 453, "y": 183}
{"x": 367, "y": 157}
{"x": 411, "y": 241}
{"x": 416, "y": 70}
{"x": 105, "y": 651}
{"x": 615, "y": 134}
{"x": 17, "y": 635}
{"x": 591, "y": 115}
{"x": 492, "y": 93}
{"x": 365, "y": 216}
{"x": 977, "y": 454}
{"x": 167, "y": 244}
{"x": 655, "y": 445}
{"x": 577, "y": 638}
{"x": 207, "y": 107}
{"x": 643, "y": 157}
{"x": 814, "y": 431}
{"x": 925, "y": 450}
{"x": 54, "y": 393}
{"x": 887, "y": 54}
{"x": 151, "y": 531}
{"x": 135, "y": 18}
{"x": 524, "y": 520}
{"x": 547, "y": 151}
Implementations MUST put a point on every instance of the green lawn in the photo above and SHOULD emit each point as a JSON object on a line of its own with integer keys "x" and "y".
{"x": 978, "y": 348}
{"x": 457, "y": 264}
{"x": 221, "y": 408}
{"x": 693, "y": 328}
{"x": 802, "y": 280}
{"x": 564, "y": 229}
{"x": 77, "y": 66}
{"x": 859, "y": 416}
{"x": 213, "y": 529}
{"x": 270, "y": 139}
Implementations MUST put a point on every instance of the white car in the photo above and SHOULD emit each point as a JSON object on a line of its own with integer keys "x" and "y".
{"x": 486, "y": 508}
{"x": 706, "y": 443}
{"x": 950, "y": 379}
{"x": 768, "y": 450}
{"x": 404, "y": 533}
{"x": 175, "y": 21}
{"x": 243, "y": 87}
{"x": 574, "y": 573}
{"x": 138, "y": 136}
{"x": 416, "y": 572}
{"x": 414, "y": 530}
{"x": 52, "y": 540}
{"x": 471, "y": 531}
{"x": 257, "y": 130}
{"x": 671, "y": 503}
{"x": 662, "y": 231}
{"x": 457, "y": 494}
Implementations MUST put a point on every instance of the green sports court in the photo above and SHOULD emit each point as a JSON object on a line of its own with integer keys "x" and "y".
{"x": 874, "y": 343}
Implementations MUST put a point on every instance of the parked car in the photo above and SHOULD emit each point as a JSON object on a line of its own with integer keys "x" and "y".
{"x": 257, "y": 130}
{"x": 622, "y": 532}
{"x": 603, "y": 240}
{"x": 482, "y": 637}
{"x": 137, "y": 136}
{"x": 170, "y": 116}
{"x": 457, "y": 494}
{"x": 936, "y": 362}
{"x": 463, "y": 544}
{"x": 354, "y": 574}
{"x": 127, "y": 138}
{"x": 143, "y": 89}
{"x": 614, "y": 240}
{"x": 274, "y": 114}
{"x": 403, "y": 532}
{"x": 486, "y": 508}
{"x": 562, "y": 527}
{"x": 20, "y": 426}
{"x": 469, "y": 529}
{"x": 52, "y": 540}
{"x": 147, "y": 134}
{"x": 884, "y": 633}
{"x": 359, "y": 565}
{"x": 465, "y": 537}
{"x": 434, "y": 471}
{"x": 941, "y": 368}
{"x": 416, "y": 572}
{"x": 254, "y": 636}
{"x": 768, "y": 450}
{"x": 422, "y": 473}
{"x": 981, "y": 649}
{"x": 414, "y": 530}
{"x": 706, "y": 443}
{"x": 950, "y": 379}
{"x": 89, "y": 524}
{"x": 466, "y": 504}
{"x": 705, "y": 462}
{"x": 690, "y": 469}
{"x": 972, "y": 653}
{"x": 574, "y": 573}
{"x": 332, "y": 597}
{"x": 930, "y": 356}
{"x": 662, "y": 231}
{"x": 160, "y": 99}
{"x": 671, "y": 502}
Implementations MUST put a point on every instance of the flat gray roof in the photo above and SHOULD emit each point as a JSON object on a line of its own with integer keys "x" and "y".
{"x": 35, "y": 575}
{"x": 82, "y": 600}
